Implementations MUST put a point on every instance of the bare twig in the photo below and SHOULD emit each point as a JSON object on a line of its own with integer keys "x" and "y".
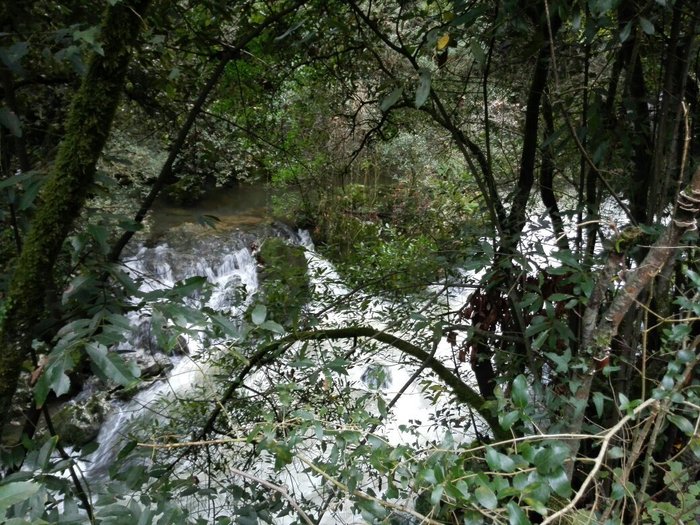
{"x": 280, "y": 490}
{"x": 607, "y": 437}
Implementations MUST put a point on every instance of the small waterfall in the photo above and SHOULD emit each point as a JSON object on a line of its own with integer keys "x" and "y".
{"x": 230, "y": 268}
{"x": 229, "y": 264}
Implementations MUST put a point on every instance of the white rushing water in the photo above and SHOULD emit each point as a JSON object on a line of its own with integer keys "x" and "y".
{"x": 227, "y": 261}
{"x": 231, "y": 268}
{"x": 232, "y": 273}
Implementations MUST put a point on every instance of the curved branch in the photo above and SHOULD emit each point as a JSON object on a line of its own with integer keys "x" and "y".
{"x": 267, "y": 353}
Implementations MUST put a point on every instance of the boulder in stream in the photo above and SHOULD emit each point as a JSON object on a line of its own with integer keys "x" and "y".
{"x": 77, "y": 423}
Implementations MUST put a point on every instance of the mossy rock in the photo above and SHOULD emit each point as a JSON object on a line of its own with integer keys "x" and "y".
{"x": 284, "y": 280}
{"x": 79, "y": 423}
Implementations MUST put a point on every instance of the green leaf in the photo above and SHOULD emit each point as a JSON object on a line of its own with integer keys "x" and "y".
{"x": 540, "y": 340}
{"x": 428, "y": 475}
{"x": 625, "y": 33}
{"x": 508, "y": 420}
{"x": 646, "y": 25}
{"x": 391, "y": 99}
{"x": 130, "y": 287}
{"x": 499, "y": 462}
{"x": 559, "y": 483}
{"x": 685, "y": 355}
{"x": 436, "y": 495}
{"x": 694, "y": 276}
{"x": 546, "y": 461}
{"x": 126, "y": 449}
{"x": 598, "y": 401}
{"x": 515, "y": 515}
{"x": 682, "y": 423}
{"x": 339, "y": 365}
{"x": 557, "y": 297}
{"x": 520, "y": 395}
{"x": 89, "y": 35}
{"x": 31, "y": 190}
{"x": 477, "y": 52}
{"x": 273, "y": 327}
{"x": 283, "y": 456}
{"x": 100, "y": 234}
{"x": 576, "y": 21}
{"x": 12, "y": 56}
{"x": 111, "y": 365}
{"x": 16, "y": 492}
{"x": 259, "y": 314}
{"x": 46, "y": 451}
{"x": 561, "y": 360}
{"x": 617, "y": 492}
{"x": 423, "y": 91}
{"x": 9, "y": 119}
{"x": 616, "y": 453}
{"x": 226, "y": 325}
{"x": 695, "y": 446}
{"x": 20, "y": 178}
{"x": 190, "y": 285}
{"x": 486, "y": 497}
{"x": 538, "y": 324}
{"x": 54, "y": 377}
{"x": 469, "y": 16}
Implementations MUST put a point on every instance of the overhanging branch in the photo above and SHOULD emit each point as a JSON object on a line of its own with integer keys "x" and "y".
{"x": 269, "y": 352}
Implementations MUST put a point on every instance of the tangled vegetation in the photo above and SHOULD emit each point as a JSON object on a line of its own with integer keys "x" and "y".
{"x": 509, "y": 191}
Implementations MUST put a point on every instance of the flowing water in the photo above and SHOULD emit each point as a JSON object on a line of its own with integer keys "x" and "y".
{"x": 179, "y": 249}
{"x": 225, "y": 256}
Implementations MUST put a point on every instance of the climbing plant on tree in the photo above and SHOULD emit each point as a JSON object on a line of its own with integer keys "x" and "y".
{"x": 87, "y": 129}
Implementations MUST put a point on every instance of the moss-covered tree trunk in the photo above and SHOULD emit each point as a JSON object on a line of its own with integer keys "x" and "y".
{"x": 62, "y": 198}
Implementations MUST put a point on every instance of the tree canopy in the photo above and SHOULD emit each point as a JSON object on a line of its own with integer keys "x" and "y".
{"x": 509, "y": 193}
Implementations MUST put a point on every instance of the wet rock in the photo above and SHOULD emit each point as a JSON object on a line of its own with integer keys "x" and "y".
{"x": 284, "y": 280}
{"x": 78, "y": 423}
{"x": 181, "y": 346}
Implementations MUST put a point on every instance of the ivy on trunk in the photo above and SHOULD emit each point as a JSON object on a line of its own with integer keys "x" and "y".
{"x": 87, "y": 129}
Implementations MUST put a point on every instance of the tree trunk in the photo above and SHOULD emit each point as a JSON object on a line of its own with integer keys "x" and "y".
{"x": 599, "y": 330}
{"x": 87, "y": 128}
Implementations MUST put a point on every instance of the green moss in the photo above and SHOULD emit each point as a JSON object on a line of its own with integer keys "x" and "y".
{"x": 79, "y": 423}
{"x": 64, "y": 193}
{"x": 284, "y": 280}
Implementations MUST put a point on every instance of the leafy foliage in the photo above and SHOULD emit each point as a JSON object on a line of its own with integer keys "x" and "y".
{"x": 465, "y": 365}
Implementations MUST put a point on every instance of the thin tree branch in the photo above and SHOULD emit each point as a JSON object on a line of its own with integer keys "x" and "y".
{"x": 280, "y": 490}
{"x": 166, "y": 171}
{"x": 599, "y": 460}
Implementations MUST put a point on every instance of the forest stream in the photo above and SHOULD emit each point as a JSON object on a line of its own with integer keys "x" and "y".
{"x": 226, "y": 255}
